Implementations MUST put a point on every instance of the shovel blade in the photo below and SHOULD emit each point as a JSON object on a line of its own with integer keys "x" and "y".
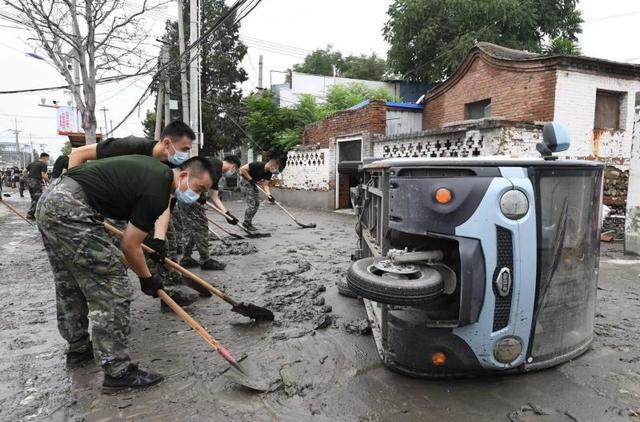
{"x": 253, "y": 311}
{"x": 258, "y": 235}
{"x": 307, "y": 226}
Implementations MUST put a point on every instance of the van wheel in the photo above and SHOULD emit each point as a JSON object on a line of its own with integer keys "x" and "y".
{"x": 378, "y": 279}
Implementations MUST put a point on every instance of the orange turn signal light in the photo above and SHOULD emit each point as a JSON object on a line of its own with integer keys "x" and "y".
{"x": 443, "y": 196}
{"x": 438, "y": 358}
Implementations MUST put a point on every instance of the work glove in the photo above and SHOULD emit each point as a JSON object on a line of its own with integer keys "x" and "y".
{"x": 160, "y": 249}
{"x": 202, "y": 200}
{"x": 150, "y": 285}
{"x": 231, "y": 219}
{"x": 253, "y": 183}
{"x": 271, "y": 199}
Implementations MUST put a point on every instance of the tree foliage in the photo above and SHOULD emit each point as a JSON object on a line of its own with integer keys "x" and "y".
{"x": 430, "y": 38}
{"x": 281, "y": 128}
{"x": 325, "y": 61}
{"x": 221, "y": 76}
{"x": 65, "y": 150}
{"x": 562, "y": 46}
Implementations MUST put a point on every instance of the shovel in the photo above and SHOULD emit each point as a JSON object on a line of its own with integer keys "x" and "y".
{"x": 304, "y": 226}
{"x": 16, "y": 212}
{"x": 235, "y": 236}
{"x": 249, "y": 234}
{"x": 247, "y": 309}
{"x": 213, "y": 232}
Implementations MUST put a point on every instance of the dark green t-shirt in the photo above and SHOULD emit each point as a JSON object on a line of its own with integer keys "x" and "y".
{"x": 113, "y": 147}
{"x": 129, "y": 187}
{"x": 36, "y": 169}
{"x": 257, "y": 171}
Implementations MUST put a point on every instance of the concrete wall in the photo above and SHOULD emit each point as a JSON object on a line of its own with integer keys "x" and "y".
{"x": 470, "y": 139}
{"x": 632, "y": 226}
{"x": 515, "y": 93}
{"x": 316, "y": 200}
{"x": 307, "y": 170}
{"x": 575, "y": 104}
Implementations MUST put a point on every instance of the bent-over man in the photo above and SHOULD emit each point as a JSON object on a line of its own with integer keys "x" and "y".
{"x": 89, "y": 272}
{"x": 253, "y": 174}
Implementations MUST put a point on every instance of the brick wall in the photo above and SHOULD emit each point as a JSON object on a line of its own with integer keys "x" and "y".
{"x": 521, "y": 94}
{"x": 371, "y": 118}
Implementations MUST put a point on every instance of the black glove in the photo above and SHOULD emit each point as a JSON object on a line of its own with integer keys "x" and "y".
{"x": 271, "y": 198}
{"x": 253, "y": 182}
{"x": 231, "y": 219}
{"x": 160, "y": 249}
{"x": 202, "y": 200}
{"x": 150, "y": 285}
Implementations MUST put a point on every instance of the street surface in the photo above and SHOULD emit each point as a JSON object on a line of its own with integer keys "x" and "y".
{"x": 324, "y": 374}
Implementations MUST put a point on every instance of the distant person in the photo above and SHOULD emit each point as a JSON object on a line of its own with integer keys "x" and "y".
{"x": 253, "y": 174}
{"x": 22, "y": 181}
{"x": 60, "y": 167}
{"x": 37, "y": 176}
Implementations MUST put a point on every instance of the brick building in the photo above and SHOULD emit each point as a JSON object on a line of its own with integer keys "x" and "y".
{"x": 495, "y": 103}
{"x": 593, "y": 98}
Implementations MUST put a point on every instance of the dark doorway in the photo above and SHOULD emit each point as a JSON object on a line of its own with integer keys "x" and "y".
{"x": 347, "y": 150}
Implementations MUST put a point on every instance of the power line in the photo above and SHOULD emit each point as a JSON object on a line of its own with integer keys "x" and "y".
{"x": 99, "y": 81}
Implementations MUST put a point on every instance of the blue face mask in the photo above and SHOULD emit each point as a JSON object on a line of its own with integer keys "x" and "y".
{"x": 229, "y": 173}
{"x": 178, "y": 157}
{"x": 186, "y": 197}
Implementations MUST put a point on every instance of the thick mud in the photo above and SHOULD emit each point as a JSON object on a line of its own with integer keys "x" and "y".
{"x": 317, "y": 360}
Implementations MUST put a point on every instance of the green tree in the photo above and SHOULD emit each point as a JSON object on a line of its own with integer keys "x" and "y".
{"x": 326, "y": 61}
{"x": 149, "y": 125}
{"x": 66, "y": 148}
{"x": 562, "y": 46}
{"x": 429, "y": 38}
{"x": 221, "y": 76}
{"x": 320, "y": 62}
{"x": 281, "y": 128}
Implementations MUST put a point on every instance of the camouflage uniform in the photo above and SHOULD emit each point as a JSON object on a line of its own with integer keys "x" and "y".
{"x": 195, "y": 229}
{"x": 90, "y": 278}
{"x": 250, "y": 193}
{"x": 35, "y": 191}
{"x": 174, "y": 235}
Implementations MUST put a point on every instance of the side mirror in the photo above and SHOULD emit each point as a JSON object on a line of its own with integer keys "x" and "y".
{"x": 554, "y": 139}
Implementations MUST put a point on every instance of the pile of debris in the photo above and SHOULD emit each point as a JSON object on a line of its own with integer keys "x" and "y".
{"x": 616, "y": 183}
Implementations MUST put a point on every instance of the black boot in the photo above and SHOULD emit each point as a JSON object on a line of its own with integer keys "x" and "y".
{"x": 131, "y": 378}
{"x": 78, "y": 359}
{"x": 188, "y": 262}
{"x": 247, "y": 225}
{"x": 212, "y": 264}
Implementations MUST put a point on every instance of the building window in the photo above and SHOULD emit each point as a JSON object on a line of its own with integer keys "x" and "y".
{"x": 478, "y": 109}
{"x": 608, "y": 109}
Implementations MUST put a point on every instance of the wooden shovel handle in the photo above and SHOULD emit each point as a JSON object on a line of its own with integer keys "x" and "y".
{"x": 175, "y": 266}
{"x": 190, "y": 321}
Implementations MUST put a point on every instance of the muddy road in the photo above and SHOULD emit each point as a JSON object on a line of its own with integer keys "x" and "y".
{"x": 318, "y": 355}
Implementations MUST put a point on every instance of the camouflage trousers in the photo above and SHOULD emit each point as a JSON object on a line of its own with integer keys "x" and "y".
{"x": 35, "y": 192}
{"x": 195, "y": 229}
{"x": 250, "y": 193}
{"x": 174, "y": 235}
{"x": 91, "y": 281}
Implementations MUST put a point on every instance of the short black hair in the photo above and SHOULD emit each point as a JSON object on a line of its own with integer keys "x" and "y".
{"x": 44, "y": 154}
{"x": 273, "y": 155}
{"x": 233, "y": 159}
{"x": 197, "y": 166}
{"x": 176, "y": 130}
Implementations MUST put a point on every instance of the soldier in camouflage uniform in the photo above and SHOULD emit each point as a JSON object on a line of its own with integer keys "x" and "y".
{"x": 37, "y": 175}
{"x": 90, "y": 276}
{"x": 253, "y": 174}
{"x": 196, "y": 233}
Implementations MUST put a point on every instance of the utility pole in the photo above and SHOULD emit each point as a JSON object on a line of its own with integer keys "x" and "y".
{"x": 194, "y": 33}
{"x": 106, "y": 128}
{"x": 167, "y": 88}
{"x": 260, "y": 72}
{"x": 159, "y": 103}
{"x": 184, "y": 89}
{"x": 632, "y": 221}
{"x": 18, "y": 152}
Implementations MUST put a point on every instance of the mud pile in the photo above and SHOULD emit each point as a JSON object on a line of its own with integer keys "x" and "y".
{"x": 295, "y": 297}
{"x": 234, "y": 248}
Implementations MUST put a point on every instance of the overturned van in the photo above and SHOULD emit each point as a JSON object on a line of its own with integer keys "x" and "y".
{"x": 478, "y": 265}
